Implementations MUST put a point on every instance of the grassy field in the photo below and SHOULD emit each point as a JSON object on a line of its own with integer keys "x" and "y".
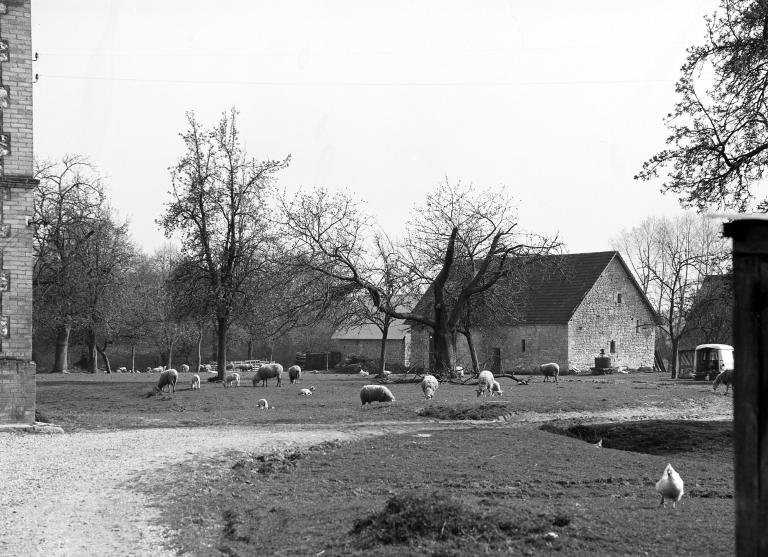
{"x": 499, "y": 488}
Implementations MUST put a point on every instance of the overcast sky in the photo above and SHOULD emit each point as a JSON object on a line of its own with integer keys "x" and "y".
{"x": 559, "y": 101}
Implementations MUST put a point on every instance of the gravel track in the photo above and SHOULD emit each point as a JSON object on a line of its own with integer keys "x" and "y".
{"x": 69, "y": 494}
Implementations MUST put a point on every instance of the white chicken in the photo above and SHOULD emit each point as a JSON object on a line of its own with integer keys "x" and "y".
{"x": 670, "y": 486}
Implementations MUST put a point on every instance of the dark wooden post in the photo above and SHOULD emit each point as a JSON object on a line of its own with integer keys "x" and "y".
{"x": 750, "y": 397}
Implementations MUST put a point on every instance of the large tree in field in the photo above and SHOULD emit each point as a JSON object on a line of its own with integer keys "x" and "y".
{"x": 717, "y": 151}
{"x": 333, "y": 237}
{"x": 671, "y": 257}
{"x": 219, "y": 208}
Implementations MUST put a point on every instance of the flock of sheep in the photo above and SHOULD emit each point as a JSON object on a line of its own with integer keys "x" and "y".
{"x": 486, "y": 384}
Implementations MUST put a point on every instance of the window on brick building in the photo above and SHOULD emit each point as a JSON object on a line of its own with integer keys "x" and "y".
{"x": 618, "y": 298}
{"x": 523, "y": 345}
{"x": 613, "y": 347}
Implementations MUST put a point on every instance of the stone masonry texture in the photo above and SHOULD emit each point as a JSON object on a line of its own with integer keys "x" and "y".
{"x": 17, "y": 371}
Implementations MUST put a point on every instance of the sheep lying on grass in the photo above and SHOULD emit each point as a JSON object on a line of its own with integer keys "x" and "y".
{"x": 307, "y": 392}
{"x": 263, "y": 404}
{"x": 195, "y": 382}
{"x": 168, "y": 379}
{"x": 549, "y": 370}
{"x": 363, "y": 373}
{"x": 294, "y": 374}
{"x": 484, "y": 383}
{"x": 231, "y": 378}
{"x": 375, "y": 393}
{"x": 268, "y": 371}
{"x": 429, "y": 385}
{"x": 723, "y": 378}
{"x": 184, "y": 368}
{"x": 496, "y": 389}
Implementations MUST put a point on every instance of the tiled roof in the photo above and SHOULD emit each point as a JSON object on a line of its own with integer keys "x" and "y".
{"x": 554, "y": 287}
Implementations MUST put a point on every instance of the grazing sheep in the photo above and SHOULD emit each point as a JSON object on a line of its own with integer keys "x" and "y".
{"x": 429, "y": 385}
{"x": 496, "y": 389}
{"x": 158, "y": 369}
{"x": 263, "y": 404}
{"x": 184, "y": 368}
{"x": 168, "y": 379}
{"x": 268, "y": 371}
{"x": 723, "y": 378}
{"x": 307, "y": 392}
{"x": 375, "y": 393}
{"x": 195, "y": 382}
{"x": 484, "y": 383}
{"x": 363, "y": 373}
{"x": 294, "y": 374}
{"x": 549, "y": 370}
{"x": 670, "y": 486}
{"x": 122, "y": 370}
{"x": 232, "y": 378}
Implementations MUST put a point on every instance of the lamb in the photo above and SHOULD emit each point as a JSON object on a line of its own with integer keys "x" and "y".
{"x": 184, "y": 368}
{"x": 375, "y": 393}
{"x": 723, "y": 378}
{"x": 294, "y": 374}
{"x": 429, "y": 385}
{"x": 363, "y": 373}
{"x": 484, "y": 383}
{"x": 122, "y": 370}
{"x": 263, "y": 404}
{"x": 168, "y": 379}
{"x": 268, "y": 371}
{"x": 195, "y": 382}
{"x": 306, "y": 392}
{"x": 670, "y": 486}
{"x": 549, "y": 370}
{"x": 232, "y": 378}
{"x": 496, "y": 389}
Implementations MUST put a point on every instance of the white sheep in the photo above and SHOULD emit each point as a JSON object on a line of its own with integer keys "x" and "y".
{"x": 375, "y": 393}
{"x": 429, "y": 385}
{"x": 496, "y": 389}
{"x": 195, "y": 382}
{"x": 231, "y": 378}
{"x": 206, "y": 367}
{"x": 158, "y": 369}
{"x": 294, "y": 374}
{"x": 549, "y": 370}
{"x": 363, "y": 373}
{"x": 307, "y": 392}
{"x": 184, "y": 368}
{"x": 484, "y": 383}
{"x": 386, "y": 373}
{"x": 168, "y": 379}
{"x": 268, "y": 371}
{"x": 723, "y": 378}
{"x": 122, "y": 370}
{"x": 263, "y": 404}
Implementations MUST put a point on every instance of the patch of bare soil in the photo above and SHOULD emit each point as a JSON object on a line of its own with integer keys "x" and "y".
{"x": 71, "y": 494}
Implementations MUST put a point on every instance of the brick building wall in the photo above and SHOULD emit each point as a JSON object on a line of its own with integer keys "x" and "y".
{"x": 602, "y": 319}
{"x": 17, "y": 371}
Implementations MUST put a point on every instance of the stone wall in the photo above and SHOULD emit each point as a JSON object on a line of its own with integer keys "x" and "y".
{"x": 602, "y": 318}
{"x": 17, "y": 371}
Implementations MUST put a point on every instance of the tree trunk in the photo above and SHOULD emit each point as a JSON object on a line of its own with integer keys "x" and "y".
{"x": 60, "y": 362}
{"x": 133, "y": 357}
{"x": 673, "y": 366}
{"x": 250, "y": 349}
{"x": 383, "y": 352}
{"x": 199, "y": 355}
{"x": 92, "y": 355}
{"x": 169, "y": 356}
{"x": 472, "y": 352}
{"x": 445, "y": 355}
{"x": 221, "y": 352}
{"x": 103, "y": 352}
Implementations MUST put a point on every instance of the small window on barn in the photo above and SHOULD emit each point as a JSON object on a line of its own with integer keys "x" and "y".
{"x": 618, "y": 298}
{"x": 523, "y": 345}
{"x": 613, "y": 347}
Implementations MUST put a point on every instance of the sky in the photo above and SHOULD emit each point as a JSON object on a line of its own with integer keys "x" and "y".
{"x": 560, "y": 102}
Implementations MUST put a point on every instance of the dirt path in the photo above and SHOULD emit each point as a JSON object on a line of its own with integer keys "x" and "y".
{"x": 68, "y": 494}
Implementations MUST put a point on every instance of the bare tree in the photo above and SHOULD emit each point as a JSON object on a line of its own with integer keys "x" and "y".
{"x": 332, "y": 236}
{"x": 675, "y": 254}
{"x": 219, "y": 207}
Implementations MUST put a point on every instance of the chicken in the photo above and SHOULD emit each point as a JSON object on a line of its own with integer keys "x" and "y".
{"x": 670, "y": 486}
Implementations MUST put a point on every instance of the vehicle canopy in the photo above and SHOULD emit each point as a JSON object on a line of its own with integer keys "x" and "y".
{"x": 711, "y": 359}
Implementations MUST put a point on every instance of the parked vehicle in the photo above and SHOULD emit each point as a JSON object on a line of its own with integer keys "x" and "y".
{"x": 711, "y": 359}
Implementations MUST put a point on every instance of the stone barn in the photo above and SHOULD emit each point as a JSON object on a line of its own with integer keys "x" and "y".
{"x": 581, "y": 303}
{"x": 365, "y": 341}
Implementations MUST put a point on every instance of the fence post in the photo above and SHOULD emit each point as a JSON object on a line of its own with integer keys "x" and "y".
{"x": 750, "y": 397}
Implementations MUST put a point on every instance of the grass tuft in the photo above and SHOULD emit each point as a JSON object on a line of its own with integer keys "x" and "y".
{"x": 485, "y": 411}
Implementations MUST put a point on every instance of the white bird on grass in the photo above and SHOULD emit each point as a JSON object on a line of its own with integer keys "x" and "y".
{"x": 599, "y": 444}
{"x": 670, "y": 486}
